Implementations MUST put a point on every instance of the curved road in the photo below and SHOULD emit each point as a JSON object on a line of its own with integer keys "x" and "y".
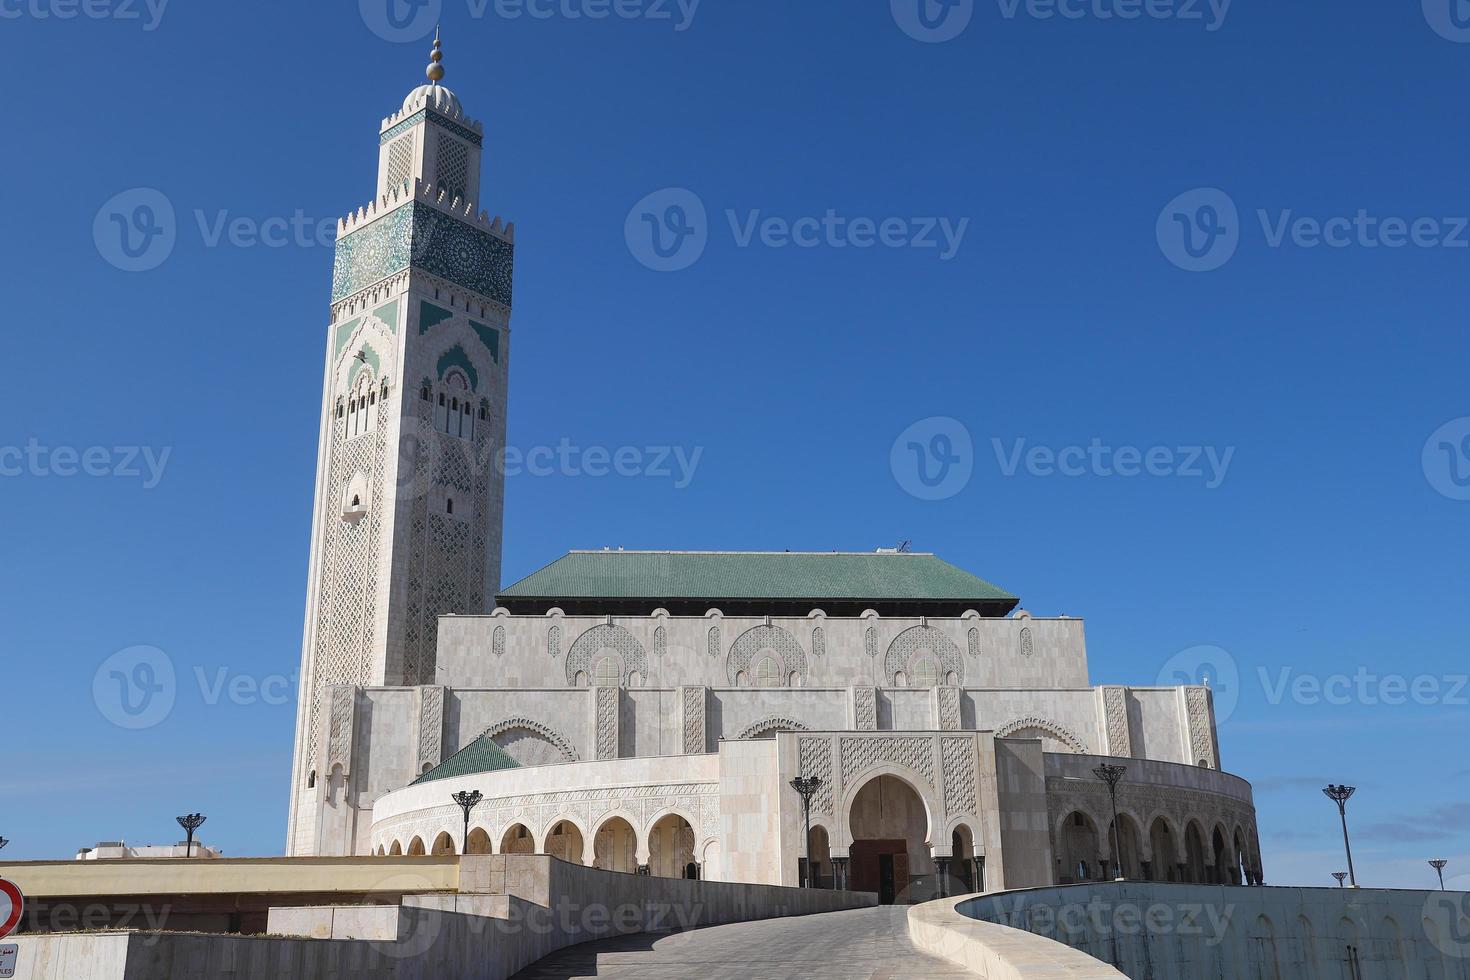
{"x": 872, "y": 944}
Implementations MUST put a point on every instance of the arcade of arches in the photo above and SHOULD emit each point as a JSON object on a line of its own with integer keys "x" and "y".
{"x": 1084, "y": 851}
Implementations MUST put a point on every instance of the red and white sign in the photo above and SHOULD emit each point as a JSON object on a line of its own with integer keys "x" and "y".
{"x": 12, "y": 904}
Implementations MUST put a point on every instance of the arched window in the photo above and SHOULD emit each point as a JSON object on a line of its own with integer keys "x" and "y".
{"x": 424, "y": 394}
{"x": 609, "y": 672}
{"x": 926, "y": 673}
{"x": 449, "y": 505}
{"x": 767, "y": 674}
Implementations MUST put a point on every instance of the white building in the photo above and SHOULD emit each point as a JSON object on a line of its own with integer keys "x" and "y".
{"x": 646, "y": 712}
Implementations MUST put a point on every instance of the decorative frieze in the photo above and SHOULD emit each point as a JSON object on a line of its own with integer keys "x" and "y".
{"x": 1115, "y": 715}
{"x": 431, "y": 727}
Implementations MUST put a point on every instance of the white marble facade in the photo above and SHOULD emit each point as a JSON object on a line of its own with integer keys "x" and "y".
{"x": 664, "y": 743}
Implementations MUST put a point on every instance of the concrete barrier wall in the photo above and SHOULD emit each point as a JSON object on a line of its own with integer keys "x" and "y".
{"x": 511, "y": 911}
{"x": 1152, "y": 929}
{"x": 998, "y": 952}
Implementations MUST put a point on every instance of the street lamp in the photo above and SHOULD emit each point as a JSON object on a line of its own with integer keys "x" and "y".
{"x": 1111, "y": 775}
{"x": 1437, "y": 864}
{"x": 1339, "y": 875}
{"x": 190, "y": 822}
{"x": 807, "y": 787}
{"x": 467, "y": 801}
{"x": 3, "y": 842}
{"x": 1339, "y": 795}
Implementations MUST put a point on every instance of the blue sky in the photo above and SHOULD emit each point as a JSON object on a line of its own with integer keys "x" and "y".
{"x": 1331, "y": 545}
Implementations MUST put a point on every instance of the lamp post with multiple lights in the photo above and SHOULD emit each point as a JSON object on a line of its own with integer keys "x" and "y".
{"x": 1339, "y": 875}
{"x": 1111, "y": 775}
{"x": 190, "y": 822}
{"x": 467, "y": 801}
{"x": 1438, "y": 865}
{"x": 1339, "y": 795}
{"x": 807, "y": 787}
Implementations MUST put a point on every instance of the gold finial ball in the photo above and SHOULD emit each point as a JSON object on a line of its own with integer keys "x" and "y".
{"x": 435, "y": 72}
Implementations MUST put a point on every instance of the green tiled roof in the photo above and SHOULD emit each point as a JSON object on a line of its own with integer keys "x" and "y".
{"x": 481, "y": 755}
{"x": 754, "y": 576}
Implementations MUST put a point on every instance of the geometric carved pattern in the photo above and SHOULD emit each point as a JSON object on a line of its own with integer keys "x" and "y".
{"x": 915, "y": 752}
{"x": 339, "y": 745}
{"x": 499, "y": 643}
{"x": 1051, "y": 728}
{"x": 431, "y": 727}
{"x": 1197, "y": 699}
{"x": 926, "y": 639}
{"x": 1115, "y": 707}
{"x": 420, "y": 235}
{"x": 607, "y": 723}
{"x": 958, "y": 757}
{"x": 400, "y": 162}
{"x": 814, "y": 758}
{"x": 949, "y": 708}
{"x": 1026, "y": 647}
{"x": 865, "y": 709}
{"x": 819, "y": 642}
{"x": 714, "y": 641}
{"x": 870, "y": 641}
{"x": 551, "y": 735}
{"x": 770, "y": 726}
{"x": 605, "y": 637}
{"x": 762, "y": 639}
{"x": 452, "y": 166}
{"x": 694, "y": 721}
{"x": 553, "y": 642}
{"x": 974, "y": 642}
{"x": 660, "y": 642}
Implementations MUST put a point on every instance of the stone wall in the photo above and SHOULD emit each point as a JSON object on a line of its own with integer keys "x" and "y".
{"x": 523, "y": 908}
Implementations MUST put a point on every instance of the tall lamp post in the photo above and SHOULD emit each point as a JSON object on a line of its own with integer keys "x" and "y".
{"x": 190, "y": 822}
{"x": 1111, "y": 775}
{"x": 1438, "y": 865}
{"x": 467, "y": 801}
{"x": 807, "y": 787}
{"x": 3, "y": 842}
{"x": 1339, "y": 795}
{"x": 1339, "y": 875}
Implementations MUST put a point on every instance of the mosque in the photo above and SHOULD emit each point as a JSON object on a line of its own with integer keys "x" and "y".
{"x": 648, "y": 712}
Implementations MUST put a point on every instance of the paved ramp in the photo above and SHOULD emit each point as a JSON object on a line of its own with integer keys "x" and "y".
{"x": 871, "y": 944}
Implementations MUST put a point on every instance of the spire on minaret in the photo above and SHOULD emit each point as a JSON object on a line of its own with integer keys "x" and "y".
{"x": 435, "y": 71}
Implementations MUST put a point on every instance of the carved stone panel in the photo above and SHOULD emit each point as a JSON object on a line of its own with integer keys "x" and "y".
{"x": 947, "y": 708}
{"x": 431, "y": 727}
{"x": 342, "y": 723}
{"x": 1115, "y": 721}
{"x": 607, "y": 722}
{"x": 865, "y": 709}
{"x": 1201, "y": 737}
{"x": 814, "y": 757}
{"x": 695, "y": 738}
{"x": 958, "y": 757}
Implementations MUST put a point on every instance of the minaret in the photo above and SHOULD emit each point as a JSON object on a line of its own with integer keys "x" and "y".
{"x": 409, "y": 491}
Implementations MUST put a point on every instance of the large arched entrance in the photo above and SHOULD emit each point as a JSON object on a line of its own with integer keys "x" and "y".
{"x": 1165, "y": 866}
{"x": 890, "y": 843}
{"x": 565, "y": 842}
{"x": 821, "y": 870}
{"x": 1079, "y": 851}
{"x": 517, "y": 839}
{"x": 671, "y": 848}
{"x": 615, "y": 846}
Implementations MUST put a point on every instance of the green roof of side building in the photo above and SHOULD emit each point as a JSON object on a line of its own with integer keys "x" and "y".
{"x": 775, "y": 583}
{"x": 481, "y": 755}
